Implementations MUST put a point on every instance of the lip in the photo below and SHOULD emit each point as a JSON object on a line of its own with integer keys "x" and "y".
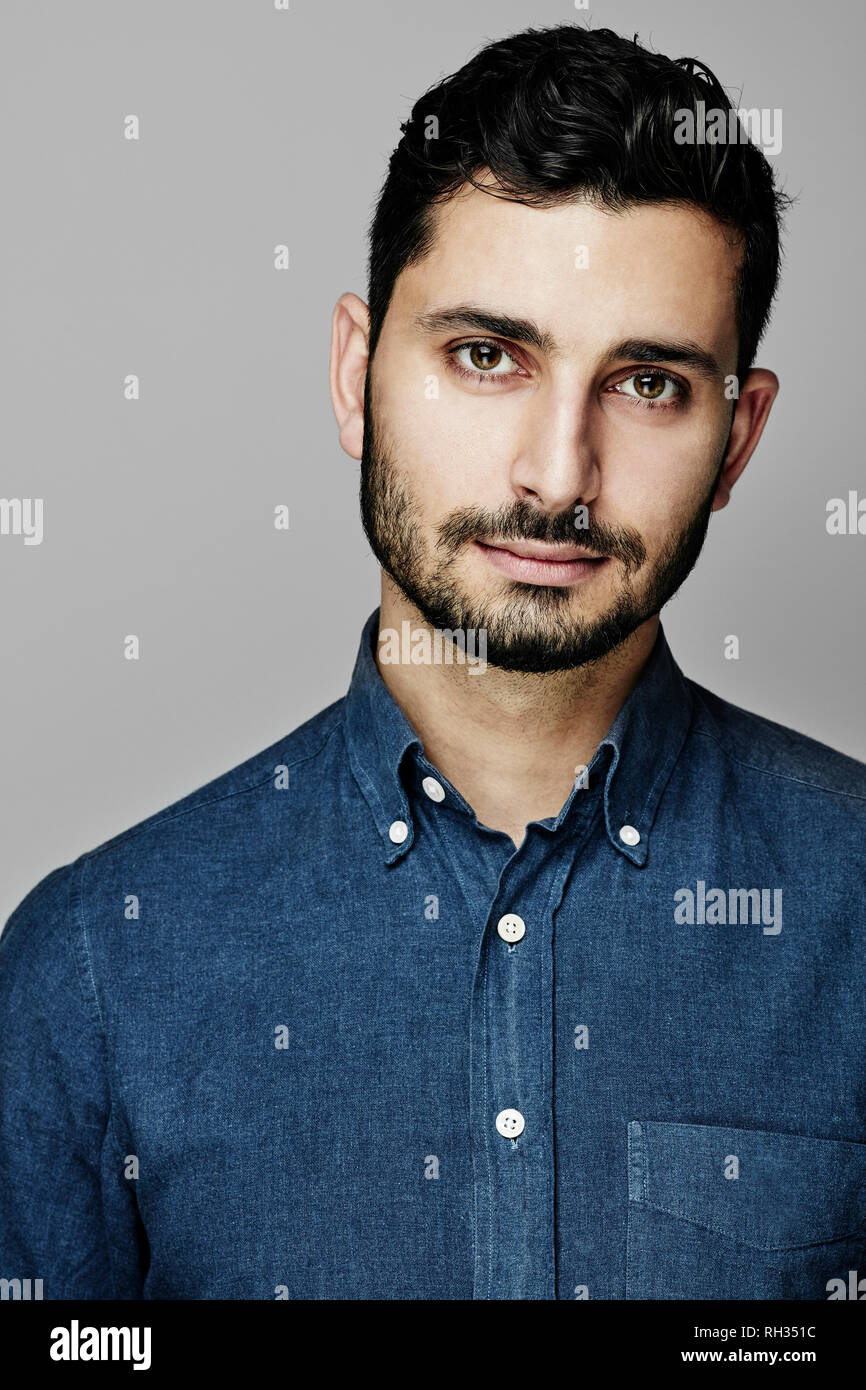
{"x": 538, "y": 562}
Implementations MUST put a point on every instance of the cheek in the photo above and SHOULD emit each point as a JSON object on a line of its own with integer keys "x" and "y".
{"x": 452, "y": 457}
{"x": 655, "y": 478}
{"x": 436, "y": 476}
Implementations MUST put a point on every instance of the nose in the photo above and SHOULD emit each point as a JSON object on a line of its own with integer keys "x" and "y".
{"x": 556, "y": 461}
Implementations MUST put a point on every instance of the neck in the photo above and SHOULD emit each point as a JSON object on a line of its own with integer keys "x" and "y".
{"x": 512, "y": 743}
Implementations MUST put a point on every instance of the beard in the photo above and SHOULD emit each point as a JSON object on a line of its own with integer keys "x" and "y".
{"x": 529, "y": 627}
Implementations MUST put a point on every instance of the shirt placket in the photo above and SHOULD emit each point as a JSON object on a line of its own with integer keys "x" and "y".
{"x": 511, "y": 1032}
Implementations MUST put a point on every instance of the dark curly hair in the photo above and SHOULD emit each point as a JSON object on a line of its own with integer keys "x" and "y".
{"x": 572, "y": 112}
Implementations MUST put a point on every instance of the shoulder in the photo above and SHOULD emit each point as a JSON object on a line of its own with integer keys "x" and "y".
{"x": 231, "y": 790}
{"x": 766, "y": 750}
{"x": 197, "y": 819}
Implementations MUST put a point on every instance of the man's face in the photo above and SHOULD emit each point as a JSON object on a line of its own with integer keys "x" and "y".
{"x": 554, "y": 493}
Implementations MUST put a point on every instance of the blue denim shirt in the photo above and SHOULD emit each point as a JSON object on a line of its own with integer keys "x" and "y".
{"x": 259, "y": 1046}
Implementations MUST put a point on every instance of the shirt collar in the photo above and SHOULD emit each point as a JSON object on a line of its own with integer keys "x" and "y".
{"x": 639, "y": 750}
{"x": 378, "y": 735}
{"x": 645, "y": 740}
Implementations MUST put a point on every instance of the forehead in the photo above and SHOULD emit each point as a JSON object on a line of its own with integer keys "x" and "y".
{"x": 587, "y": 275}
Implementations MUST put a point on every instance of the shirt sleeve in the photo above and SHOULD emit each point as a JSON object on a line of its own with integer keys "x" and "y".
{"x": 67, "y": 1217}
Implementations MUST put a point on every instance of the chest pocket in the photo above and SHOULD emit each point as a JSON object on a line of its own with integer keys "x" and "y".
{"x": 741, "y": 1213}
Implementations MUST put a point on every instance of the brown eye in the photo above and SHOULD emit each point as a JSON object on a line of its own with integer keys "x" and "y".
{"x": 652, "y": 387}
{"x": 484, "y": 356}
{"x": 650, "y": 384}
{"x": 482, "y": 360}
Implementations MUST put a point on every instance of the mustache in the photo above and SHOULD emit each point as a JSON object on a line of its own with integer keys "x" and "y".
{"x": 522, "y": 522}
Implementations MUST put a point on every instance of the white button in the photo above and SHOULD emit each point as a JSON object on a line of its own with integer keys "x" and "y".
{"x": 434, "y": 789}
{"x": 629, "y": 835}
{"x": 511, "y": 927}
{"x": 510, "y": 1123}
{"x": 398, "y": 832}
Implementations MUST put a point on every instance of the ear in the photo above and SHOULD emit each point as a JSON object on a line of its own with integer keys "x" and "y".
{"x": 757, "y": 394}
{"x": 350, "y": 340}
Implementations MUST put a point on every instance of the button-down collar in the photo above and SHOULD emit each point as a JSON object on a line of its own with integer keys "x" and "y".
{"x": 636, "y": 755}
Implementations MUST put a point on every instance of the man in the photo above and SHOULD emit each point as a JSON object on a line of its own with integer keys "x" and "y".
{"x": 530, "y": 969}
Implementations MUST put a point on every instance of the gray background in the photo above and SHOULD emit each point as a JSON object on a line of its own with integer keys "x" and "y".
{"x": 155, "y": 257}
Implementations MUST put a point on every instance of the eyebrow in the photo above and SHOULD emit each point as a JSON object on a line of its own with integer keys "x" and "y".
{"x": 500, "y": 325}
{"x": 684, "y": 354}
{"x": 472, "y": 318}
